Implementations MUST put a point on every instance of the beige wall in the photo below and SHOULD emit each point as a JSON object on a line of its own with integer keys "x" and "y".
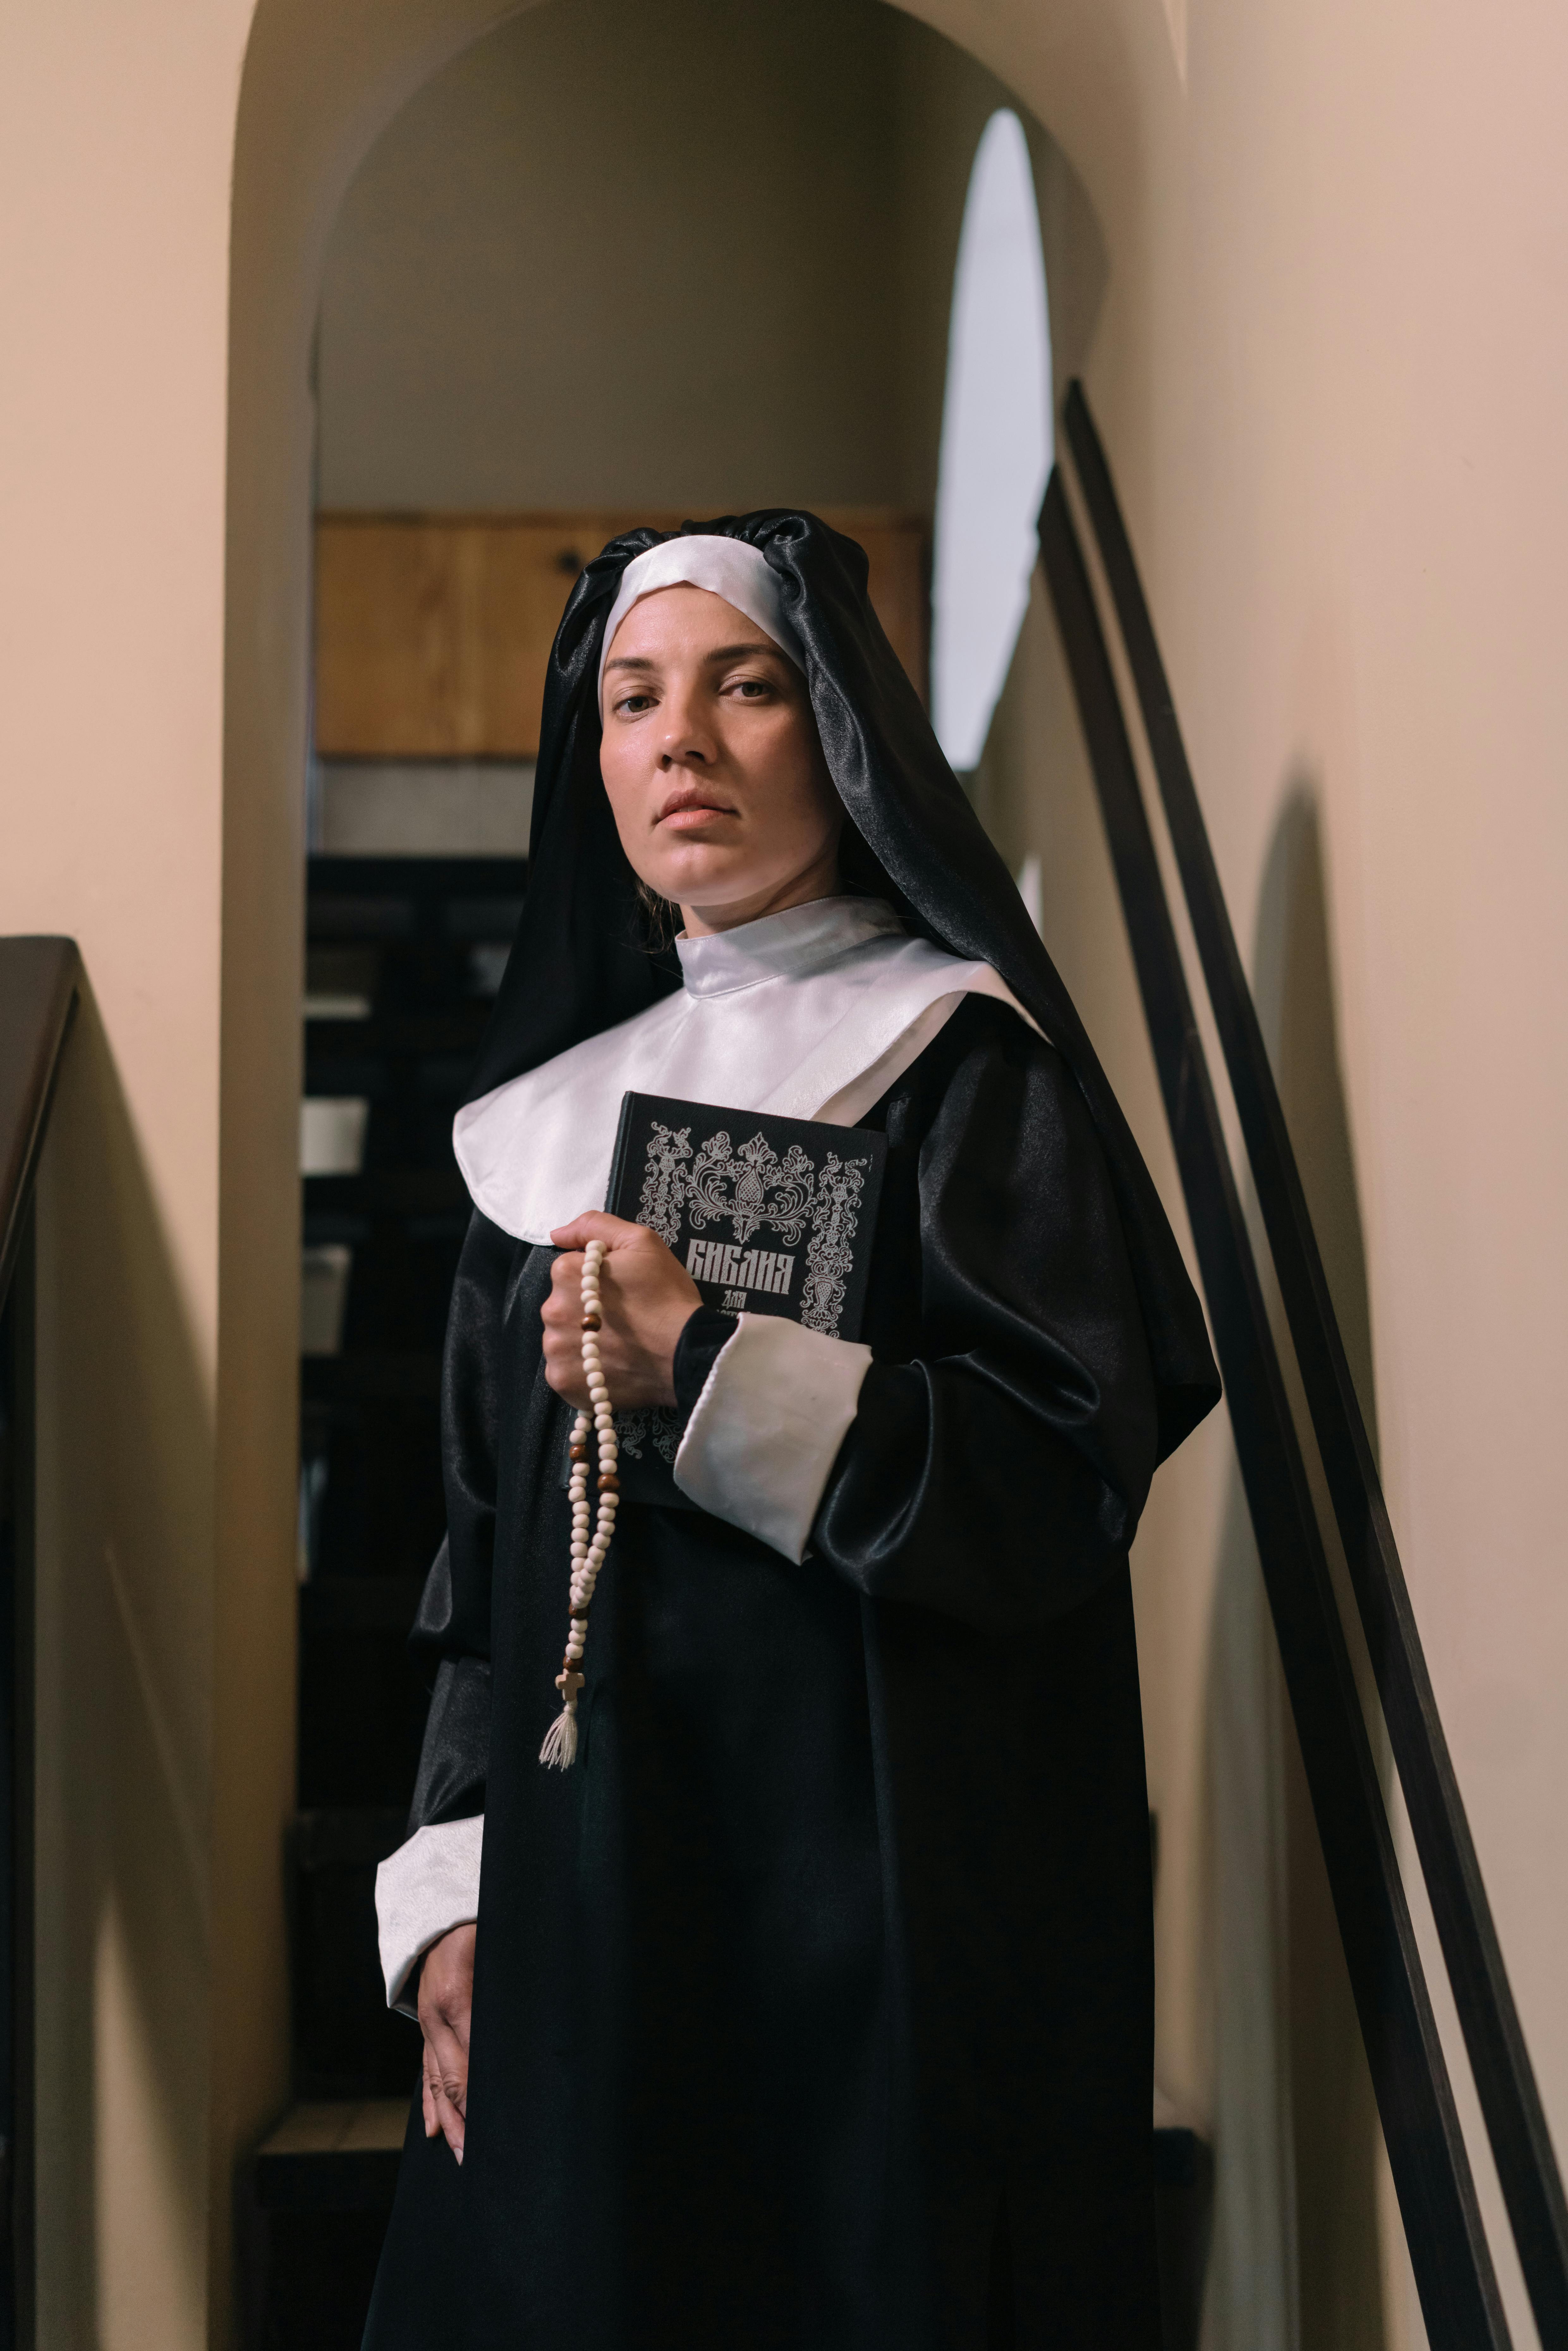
{"x": 1257, "y": 2041}
{"x": 1329, "y": 365}
{"x": 549, "y": 287}
{"x": 537, "y": 294}
{"x": 115, "y": 133}
{"x": 532, "y": 293}
{"x": 1326, "y": 370}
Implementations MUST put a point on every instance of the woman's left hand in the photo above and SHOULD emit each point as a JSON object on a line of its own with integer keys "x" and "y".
{"x": 646, "y": 1297}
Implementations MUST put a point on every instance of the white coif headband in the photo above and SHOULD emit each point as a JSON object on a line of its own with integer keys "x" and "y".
{"x": 730, "y": 567}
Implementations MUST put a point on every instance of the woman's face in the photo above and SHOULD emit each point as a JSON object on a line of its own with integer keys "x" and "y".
{"x": 719, "y": 789}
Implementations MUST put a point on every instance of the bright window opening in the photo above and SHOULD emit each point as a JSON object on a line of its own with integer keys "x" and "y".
{"x": 997, "y": 442}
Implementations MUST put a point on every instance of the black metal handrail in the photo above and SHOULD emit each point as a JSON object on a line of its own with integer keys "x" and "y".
{"x": 1449, "y": 2255}
{"x": 37, "y": 995}
{"x": 1499, "y": 2061}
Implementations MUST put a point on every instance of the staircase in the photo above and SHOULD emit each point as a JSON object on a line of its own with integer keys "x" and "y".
{"x": 403, "y": 958}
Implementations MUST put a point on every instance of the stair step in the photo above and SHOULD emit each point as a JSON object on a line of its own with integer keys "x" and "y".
{"x": 371, "y": 1372}
{"x": 332, "y": 2155}
{"x": 1180, "y": 2156}
{"x": 356, "y": 1067}
{"x": 347, "y": 1836}
{"x": 358, "y": 1603}
{"x": 1183, "y": 2203}
{"x": 399, "y": 1036}
{"x": 405, "y": 899}
{"x": 347, "y": 2046}
{"x": 387, "y": 1192}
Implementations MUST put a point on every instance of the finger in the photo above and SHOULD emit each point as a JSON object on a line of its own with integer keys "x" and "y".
{"x": 566, "y": 1283}
{"x": 450, "y": 2105}
{"x": 427, "y": 2099}
{"x": 563, "y": 1372}
{"x": 450, "y": 2060}
{"x": 456, "y": 2015}
{"x": 446, "y": 2098}
{"x": 453, "y": 2128}
{"x": 593, "y": 1225}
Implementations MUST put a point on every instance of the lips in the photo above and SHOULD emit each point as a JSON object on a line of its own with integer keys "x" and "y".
{"x": 693, "y": 802}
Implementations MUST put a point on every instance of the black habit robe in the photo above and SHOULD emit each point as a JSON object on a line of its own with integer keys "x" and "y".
{"x": 813, "y": 2009}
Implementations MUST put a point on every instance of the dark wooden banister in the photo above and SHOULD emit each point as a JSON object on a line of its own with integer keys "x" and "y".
{"x": 38, "y": 981}
{"x": 1499, "y": 2061}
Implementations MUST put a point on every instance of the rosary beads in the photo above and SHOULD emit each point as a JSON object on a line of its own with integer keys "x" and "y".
{"x": 587, "y": 1552}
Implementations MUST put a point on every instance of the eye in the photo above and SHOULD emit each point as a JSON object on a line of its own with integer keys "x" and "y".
{"x": 633, "y": 705}
{"x": 753, "y": 689}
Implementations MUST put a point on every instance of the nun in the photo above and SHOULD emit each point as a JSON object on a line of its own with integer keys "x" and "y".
{"x": 811, "y": 2008}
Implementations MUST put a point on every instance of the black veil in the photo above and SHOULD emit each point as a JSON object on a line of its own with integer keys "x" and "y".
{"x": 576, "y": 967}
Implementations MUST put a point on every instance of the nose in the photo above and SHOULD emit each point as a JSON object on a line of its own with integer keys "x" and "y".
{"x": 686, "y": 740}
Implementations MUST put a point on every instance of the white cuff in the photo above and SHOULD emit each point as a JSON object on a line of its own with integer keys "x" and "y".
{"x": 771, "y": 1416}
{"x": 425, "y": 1889}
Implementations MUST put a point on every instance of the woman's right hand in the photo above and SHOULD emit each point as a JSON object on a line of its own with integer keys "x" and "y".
{"x": 445, "y": 2000}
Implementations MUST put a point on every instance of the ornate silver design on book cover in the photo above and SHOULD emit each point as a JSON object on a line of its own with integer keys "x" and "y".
{"x": 829, "y": 1256}
{"x": 665, "y": 1182}
{"x": 767, "y": 1215}
{"x": 753, "y": 1188}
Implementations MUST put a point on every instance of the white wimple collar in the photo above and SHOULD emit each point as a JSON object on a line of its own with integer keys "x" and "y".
{"x": 809, "y": 1014}
{"x": 791, "y": 945}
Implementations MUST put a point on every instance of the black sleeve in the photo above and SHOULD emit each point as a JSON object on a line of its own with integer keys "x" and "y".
{"x": 451, "y": 1629}
{"x": 998, "y": 1469}
{"x": 703, "y": 1337}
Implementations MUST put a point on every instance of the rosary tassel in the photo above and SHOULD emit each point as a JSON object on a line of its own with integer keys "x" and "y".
{"x": 559, "y": 1750}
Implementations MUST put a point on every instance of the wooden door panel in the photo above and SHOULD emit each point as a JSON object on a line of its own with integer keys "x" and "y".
{"x": 432, "y": 632}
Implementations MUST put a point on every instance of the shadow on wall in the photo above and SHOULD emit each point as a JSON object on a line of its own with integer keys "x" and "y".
{"x": 1297, "y": 2256}
{"x": 1252, "y": 2295}
{"x": 124, "y": 1622}
{"x": 1336, "y": 2130}
{"x": 1295, "y": 991}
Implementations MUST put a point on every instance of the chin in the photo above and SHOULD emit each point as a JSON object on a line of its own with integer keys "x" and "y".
{"x": 696, "y": 878}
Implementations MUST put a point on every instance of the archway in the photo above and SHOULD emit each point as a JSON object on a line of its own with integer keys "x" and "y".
{"x": 996, "y": 442}
{"x": 318, "y": 86}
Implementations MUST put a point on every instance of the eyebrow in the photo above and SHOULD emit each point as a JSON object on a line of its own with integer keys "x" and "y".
{"x": 720, "y": 653}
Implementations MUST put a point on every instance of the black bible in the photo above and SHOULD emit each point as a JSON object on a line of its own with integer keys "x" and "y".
{"x": 769, "y": 1216}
